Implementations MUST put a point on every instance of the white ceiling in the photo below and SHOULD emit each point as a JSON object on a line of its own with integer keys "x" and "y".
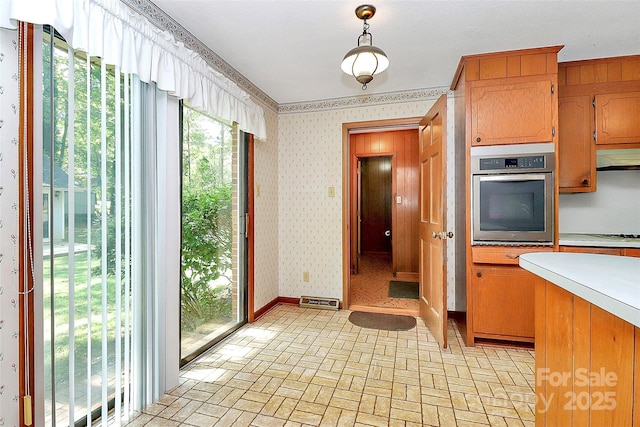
{"x": 292, "y": 50}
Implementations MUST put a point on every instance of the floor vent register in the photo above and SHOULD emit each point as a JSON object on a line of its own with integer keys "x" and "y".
{"x": 319, "y": 302}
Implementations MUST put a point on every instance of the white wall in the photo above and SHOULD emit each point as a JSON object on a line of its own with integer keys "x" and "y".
{"x": 9, "y": 410}
{"x": 310, "y": 222}
{"x": 613, "y": 208}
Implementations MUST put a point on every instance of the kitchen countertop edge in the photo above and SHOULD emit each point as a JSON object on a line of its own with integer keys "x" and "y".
{"x": 610, "y": 282}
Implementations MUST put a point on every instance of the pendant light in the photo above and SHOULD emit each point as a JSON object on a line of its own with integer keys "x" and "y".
{"x": 366, "y": 60}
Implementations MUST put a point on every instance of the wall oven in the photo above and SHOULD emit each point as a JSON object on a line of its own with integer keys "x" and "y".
{"x": 512, "y": 194}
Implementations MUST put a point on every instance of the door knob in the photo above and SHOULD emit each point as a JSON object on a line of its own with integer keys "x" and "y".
{"x": 442, "y": 235}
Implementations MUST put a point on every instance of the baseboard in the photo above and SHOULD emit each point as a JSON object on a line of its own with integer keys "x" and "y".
{"x": 288, "y": 300}
{"x": 271, "y": 304}
{"x": 407, "y": 276}
{"x": 277, "y": 301}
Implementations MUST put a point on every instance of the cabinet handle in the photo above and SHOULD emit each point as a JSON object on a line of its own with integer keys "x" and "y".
{"x": 479, "y": 274}
{"x": 478, "y": 139}
{"x": 585, "y": 182}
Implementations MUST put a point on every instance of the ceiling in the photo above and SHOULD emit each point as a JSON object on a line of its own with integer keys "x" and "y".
{"x": 292, "y": 50}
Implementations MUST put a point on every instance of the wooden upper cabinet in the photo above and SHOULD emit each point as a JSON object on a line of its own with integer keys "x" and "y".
{"x": 512, "y": 113}
{"x": 617, "y": 118}
{"x": 577, "y": 159}
{"x": 510, "y": 96}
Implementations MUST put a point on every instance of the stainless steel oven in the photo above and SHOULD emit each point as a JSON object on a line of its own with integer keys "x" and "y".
{"x": 512, "y": 194}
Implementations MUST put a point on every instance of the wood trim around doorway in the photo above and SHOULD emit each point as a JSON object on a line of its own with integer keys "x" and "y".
{"x": 374, "y": 126}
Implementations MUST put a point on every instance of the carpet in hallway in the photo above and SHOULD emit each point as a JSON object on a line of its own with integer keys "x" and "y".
{"x": 400, "y": 289}
{"x": 381, "y": 321}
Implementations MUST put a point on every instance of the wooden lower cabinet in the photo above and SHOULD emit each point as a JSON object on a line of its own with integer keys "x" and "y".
{"x": 634, "y": 252}
{"x": 502, "y": 303}
{"x": 592, "y": 250}
{"x": 587, "y": 361}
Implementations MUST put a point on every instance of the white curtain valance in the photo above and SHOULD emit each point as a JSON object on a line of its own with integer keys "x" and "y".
{"x": 119, "y": 36}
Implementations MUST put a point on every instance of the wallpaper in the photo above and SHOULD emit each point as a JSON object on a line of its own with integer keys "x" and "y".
{"x": 266, "y": 214}
{"x": 309, "y": 221}
{"x": 9, "y": 411}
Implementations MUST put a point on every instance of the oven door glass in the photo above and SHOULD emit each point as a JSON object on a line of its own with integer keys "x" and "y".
{"x": 515, "y": 207}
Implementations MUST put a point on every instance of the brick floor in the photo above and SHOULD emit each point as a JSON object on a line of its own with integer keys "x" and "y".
{"x": 308, "y": 367}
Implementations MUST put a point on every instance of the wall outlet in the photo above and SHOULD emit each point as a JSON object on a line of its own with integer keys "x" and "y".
{"x": 332, "y": 191}
{"x": 305, "y": 276}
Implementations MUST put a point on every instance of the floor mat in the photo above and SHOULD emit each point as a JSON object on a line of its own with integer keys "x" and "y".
{"x": 399, "y": 289}
{"x": 385, "y": 322}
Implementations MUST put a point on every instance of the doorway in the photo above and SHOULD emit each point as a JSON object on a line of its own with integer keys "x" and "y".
{"x": 381, "y": 238}
{"x": 374, "y": 199}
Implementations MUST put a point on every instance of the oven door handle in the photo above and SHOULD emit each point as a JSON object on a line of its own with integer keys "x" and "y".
{"x": 514, "y": 177}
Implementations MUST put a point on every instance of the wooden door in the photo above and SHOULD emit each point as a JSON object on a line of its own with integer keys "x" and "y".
{"x": 433, "y": 285}
{"x": 375, "y": 206}
{"x": 355, "y": 256}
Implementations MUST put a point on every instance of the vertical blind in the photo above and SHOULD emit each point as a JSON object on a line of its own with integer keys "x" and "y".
{"x": 105, "y": 274}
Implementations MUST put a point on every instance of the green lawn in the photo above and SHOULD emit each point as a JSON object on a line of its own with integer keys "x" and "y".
{"x": 61, "y": 303}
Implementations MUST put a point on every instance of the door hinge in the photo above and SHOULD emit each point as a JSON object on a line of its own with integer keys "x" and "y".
{"x": 246, "y": 226}
{"x": 593, "y": 102}
{"x": 594, "y": 136}
{"x": 553, "y": 131}
{"x": 553, "y": 89}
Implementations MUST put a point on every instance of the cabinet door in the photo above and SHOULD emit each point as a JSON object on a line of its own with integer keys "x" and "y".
{"x": 633, "y": 252}
{"x": 591, "y": 250}
{"x": 503, "y": 301}
{"x": 577, "y": 160}
{"x": 512, "y": 113}
{"x": 617, "y": 118}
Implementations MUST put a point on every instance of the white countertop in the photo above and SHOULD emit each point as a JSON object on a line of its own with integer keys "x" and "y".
{"x": 610, "y": 282}
{"x": 597, "y": 240}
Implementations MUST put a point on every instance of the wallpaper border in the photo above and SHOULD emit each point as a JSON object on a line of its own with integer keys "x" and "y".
{"x": 162, "y": 20}
{"x": 368, "y": 100}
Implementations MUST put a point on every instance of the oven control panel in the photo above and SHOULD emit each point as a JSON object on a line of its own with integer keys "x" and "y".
{"x": 502, "y": 163}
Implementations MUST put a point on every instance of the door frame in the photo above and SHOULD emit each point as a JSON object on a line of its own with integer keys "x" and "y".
{"x": 347, "y": 128}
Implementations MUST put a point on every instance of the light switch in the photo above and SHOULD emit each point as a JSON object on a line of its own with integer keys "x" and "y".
{"x": 332, "y": 191}
{"x": 399, "y": 200}
{"x": 305, "y": 276}
{"x": 257, "y": 190}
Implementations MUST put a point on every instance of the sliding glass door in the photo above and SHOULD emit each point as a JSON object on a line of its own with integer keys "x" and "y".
{"x": 107, "y": 176}
{"x": 214, "y": 261}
